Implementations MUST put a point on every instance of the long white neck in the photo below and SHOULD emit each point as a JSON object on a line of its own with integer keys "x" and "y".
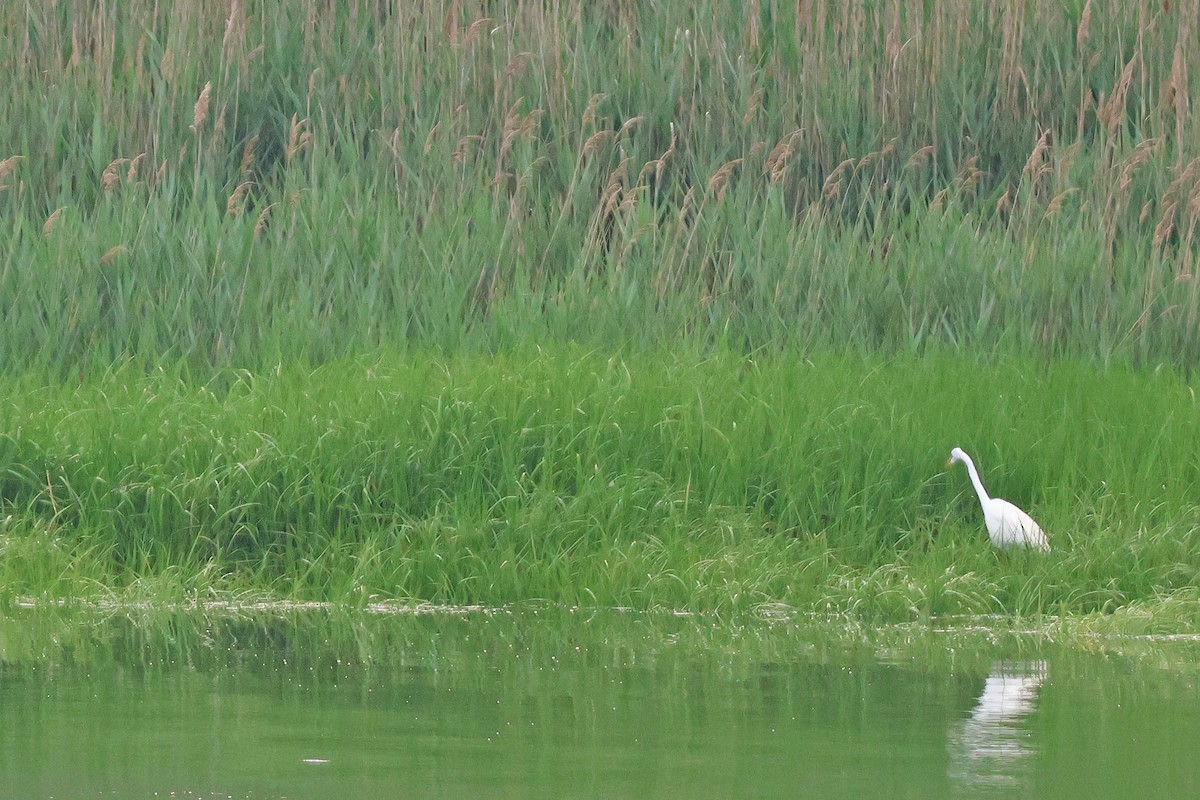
{"x": 974, "y": 473}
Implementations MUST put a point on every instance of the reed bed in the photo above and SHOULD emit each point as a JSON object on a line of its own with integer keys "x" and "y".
{"x": 251, "y": 183}
{"x": 703, "y": 482}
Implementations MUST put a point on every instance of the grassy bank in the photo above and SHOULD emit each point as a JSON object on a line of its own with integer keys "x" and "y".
{"x": 244, "y": 184}
{"x": 706, "y": 482}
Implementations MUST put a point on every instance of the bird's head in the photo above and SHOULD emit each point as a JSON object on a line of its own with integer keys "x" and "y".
{"x": 956, "y": 455}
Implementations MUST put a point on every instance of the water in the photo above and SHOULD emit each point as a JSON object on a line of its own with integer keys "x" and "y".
{"x": 559, "y": 704}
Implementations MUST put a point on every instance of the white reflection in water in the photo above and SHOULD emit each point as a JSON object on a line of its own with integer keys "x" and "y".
{"x": 992, "y": 746}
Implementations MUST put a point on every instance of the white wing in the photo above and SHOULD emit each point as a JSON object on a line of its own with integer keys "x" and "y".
{"x": 1009, "y": 526}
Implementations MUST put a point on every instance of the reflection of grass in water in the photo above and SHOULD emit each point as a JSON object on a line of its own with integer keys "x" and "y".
{"x": 582, "y": 688}
{"x": 712, "y": 483}
{"x": 525, "y": 638}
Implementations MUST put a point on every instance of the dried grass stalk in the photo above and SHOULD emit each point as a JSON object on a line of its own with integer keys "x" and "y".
{"x": 780, "y": 157}
{"x": 8, "y": 165}
{"x": 200, "y": 110}
{"x": 1056, "y": 203}
{"x": 719, "y": 182}
{"x": 595, "y": 142}
{"x": 112, "y": 253}
{"x": 920, "y": 158}
{"x": 135, "y": 165}
{"x": 630, "y": 200}
{"x": 237, "y": 201}
{"x": 235, "y": 26}
{"x": 1142, "y": 153}
{"x": 248, "y": 155}
{"x": 1085, "y": 22}
{"x": 110, "y": 178}
{"x": 614, "y": 189}
{"x": 52, "y": 221}
{"x": 833, "y": 184}
{"x": 516, "y": 65}
{"x": 429, "y": 138}
{"x": 1004, "y": 204}
{"x": 1162, "y": 231}
{"x": 752, "y": 107}
{"x": 459, "y": 154}
{"x": 589, "y": 111}
{"x": 1111, "y": 112}
{"x": 264, "y": 218}
{"x": 685, "y": 208}
{"x": 298, "y": 137}
{"x": 475, "y": 31}
{"x": 1036, "y": 165}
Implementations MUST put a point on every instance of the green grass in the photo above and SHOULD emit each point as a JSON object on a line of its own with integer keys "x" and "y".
{"x": 713, "y": 482}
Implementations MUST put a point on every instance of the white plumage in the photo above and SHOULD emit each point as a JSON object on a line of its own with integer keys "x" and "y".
{"x": 1007, "y": 525}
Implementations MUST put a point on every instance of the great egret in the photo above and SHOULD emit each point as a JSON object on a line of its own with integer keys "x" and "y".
{"x": 1007, "y": 525}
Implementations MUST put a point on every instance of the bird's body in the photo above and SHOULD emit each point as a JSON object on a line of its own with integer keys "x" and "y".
{"x": 1007, "y": 525}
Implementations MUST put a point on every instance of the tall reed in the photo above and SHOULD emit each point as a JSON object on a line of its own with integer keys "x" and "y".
{"x": 248, "y": 183}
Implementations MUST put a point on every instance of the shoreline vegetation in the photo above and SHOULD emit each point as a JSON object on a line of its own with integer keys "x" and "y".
{"x": 610, "y": 304}
{"x": 706, "y": 482}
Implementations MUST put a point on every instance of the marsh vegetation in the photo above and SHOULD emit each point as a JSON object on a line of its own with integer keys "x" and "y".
{"x": 614, "y": 304}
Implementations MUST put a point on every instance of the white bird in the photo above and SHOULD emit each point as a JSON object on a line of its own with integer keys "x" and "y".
{"x": 1007, "y": 525}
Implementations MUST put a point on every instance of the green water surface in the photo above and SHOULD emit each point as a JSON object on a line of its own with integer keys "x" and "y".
{"x": 551, "y": 703}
